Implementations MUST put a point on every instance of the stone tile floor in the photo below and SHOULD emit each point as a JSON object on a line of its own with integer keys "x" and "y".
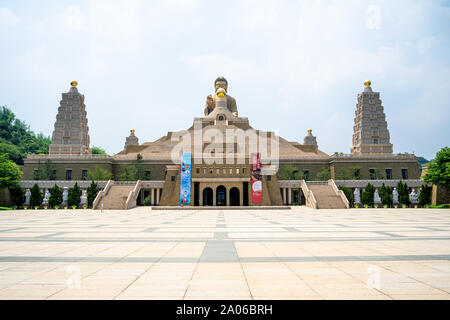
{"x": 221, "y": 254}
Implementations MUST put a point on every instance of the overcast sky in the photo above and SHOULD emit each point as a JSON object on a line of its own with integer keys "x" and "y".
{"x": 291, "y": 65}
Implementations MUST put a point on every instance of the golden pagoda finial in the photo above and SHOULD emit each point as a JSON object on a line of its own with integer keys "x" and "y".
{"x": 74, "y": 83}
{"x": 309, "y": 130}
{"x": 132, "y": 130}
{"x": 367, "y": 83}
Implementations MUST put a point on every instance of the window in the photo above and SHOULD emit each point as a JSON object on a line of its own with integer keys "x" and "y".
{"x": 237, "y": 170}
{"x": 173, "y": 178}
{"x": 147, "y": 175}
{"x": 197, "y": 170}
{"x": 269, "y": 178}
{"x": 204, "y": 170}
{"x": 372, "y": 174}
{"x": 405, "y": 174}
{"x": 231, "y": 170}
{"x": 375, "y": 141}
{"x": 388, "y": 173}
{"x": 306, "y": 174}
{"x": 243, "y": 170}
{"x": 217, "y": 171}
{"x": 210, "y": 170}
{"x": 224, "y": 170}
{"x": 69, "y": 174}
{"x": 84, "y": 174}
{"x": 357, "y": 173}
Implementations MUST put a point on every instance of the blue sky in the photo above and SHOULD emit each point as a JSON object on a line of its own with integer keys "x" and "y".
{"x": 291, "y": 65}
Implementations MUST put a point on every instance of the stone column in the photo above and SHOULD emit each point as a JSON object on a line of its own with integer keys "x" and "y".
{"x": 289, "y": 196}
{"x": 157, "y": 196}
{"x": 284, "y": 195}
{"x": 200, "y": 196}
{"x": 214, "y": 196}
{"x": 241, "y": 196}
{"x": 153, "y": 196}
{"x": 227, "y": 196}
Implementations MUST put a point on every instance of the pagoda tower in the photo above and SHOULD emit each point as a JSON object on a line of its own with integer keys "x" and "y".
{"x": 71, "y": 134}
{"x": 370, "y": 132}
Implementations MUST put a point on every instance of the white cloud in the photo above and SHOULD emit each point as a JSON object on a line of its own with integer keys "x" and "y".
{"x": 8, "y": 19}
{"x": 73, "y": 20}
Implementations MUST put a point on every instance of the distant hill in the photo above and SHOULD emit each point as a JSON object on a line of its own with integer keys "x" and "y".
{"x": 16, "y": 138}
{"x": 422, "y": 161}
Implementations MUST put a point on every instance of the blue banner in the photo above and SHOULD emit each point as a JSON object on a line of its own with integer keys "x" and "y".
{"x": 185, "y": 184}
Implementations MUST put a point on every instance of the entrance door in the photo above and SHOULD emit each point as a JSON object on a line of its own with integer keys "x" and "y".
{"x": 196, "y": 194}
{"x": 245, "y": 194}
{"x": 234, "y": 197}
{"x": 207, "y": 197}
{"x": 221, "y": 196}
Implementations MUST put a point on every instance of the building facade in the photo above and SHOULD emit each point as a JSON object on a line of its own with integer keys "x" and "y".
{"x": 221, "y": 143}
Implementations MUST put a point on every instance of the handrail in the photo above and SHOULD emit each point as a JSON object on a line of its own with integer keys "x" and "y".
{"x": 102, "y": 194}
{"x": 132, "y": 196}
{"x": 310, "y": 199}
{"x": 339, "y": 193}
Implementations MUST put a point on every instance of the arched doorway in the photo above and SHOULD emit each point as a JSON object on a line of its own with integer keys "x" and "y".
{"x": 207, "y": 197}
{"x": 221, "y": 196}
{"x": 234, "y": 197}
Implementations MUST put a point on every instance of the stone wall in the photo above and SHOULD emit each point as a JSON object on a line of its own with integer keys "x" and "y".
{"x": 440, "y": 195}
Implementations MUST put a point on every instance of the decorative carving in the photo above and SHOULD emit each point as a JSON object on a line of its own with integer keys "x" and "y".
{"x": 131, "y": 140}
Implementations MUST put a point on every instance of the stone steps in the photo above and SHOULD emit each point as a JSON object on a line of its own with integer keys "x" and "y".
{"x": 326, "y": 197}
{"x": 116, "y": 197}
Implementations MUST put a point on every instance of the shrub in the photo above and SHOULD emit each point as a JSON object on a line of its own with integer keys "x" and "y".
{"x": 425, "y": 195}
{"x": 148, "y": 201}
{"x": 56, "y": 196}
{"x": 17, "y": 195}
{"x": 36, "y": 196}
{"x": 386, "y": 195}
{"x": 367, "y": 195}
{"x": 348, "y": 194}
{"x": 403, "y": 196}
{"x": 92, "y": 192}
{"x": 74, "y": 198}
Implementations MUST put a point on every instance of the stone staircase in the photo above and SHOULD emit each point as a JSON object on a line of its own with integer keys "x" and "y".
{"x": 326, "y": 197}
{"x": 117, "y": 196}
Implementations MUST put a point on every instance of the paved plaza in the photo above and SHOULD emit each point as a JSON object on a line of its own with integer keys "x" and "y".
{"x": 225, "y": 254}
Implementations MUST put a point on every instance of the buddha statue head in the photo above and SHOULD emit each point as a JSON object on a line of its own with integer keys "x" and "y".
{"x": 221, "y": 82}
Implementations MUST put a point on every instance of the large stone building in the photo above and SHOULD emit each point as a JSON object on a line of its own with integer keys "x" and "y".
{"x": 221, "y": 143}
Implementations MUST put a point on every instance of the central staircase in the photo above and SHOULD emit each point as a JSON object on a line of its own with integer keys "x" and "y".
{"x": 326, "y": 197}
{"x": 117, "y": 196}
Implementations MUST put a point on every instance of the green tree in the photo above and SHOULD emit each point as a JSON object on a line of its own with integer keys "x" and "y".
{"x": 403, "y": 196}
{"x": 425, "y": 195}
{"x": 9, "y": 172}
{"x": 17, "y": 195}
{"x": 17, "y": 140}
{"x": 324, "y": 174}
{"x": 56, "y": 196}
{"x": 45, "y": 171}
{"x": 99, "y": 174}
{"x": 438, "y": 170}
{"x": 367, "y": 195}
{"x": 74, "y": 197}
{"x": 98, "y": 150}
{"x": 348, "y": 194}
{"x": 36, "y": 196}
{"x": 92, "y": 192}
{"x": 134, "y": 171}
{"x": 386, "y": 195}
{"x": 289, "y": 172}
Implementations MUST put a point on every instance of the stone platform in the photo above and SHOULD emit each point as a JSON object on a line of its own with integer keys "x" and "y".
{"x": 225, "y": 254}
{"x": 223, "y": 208}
